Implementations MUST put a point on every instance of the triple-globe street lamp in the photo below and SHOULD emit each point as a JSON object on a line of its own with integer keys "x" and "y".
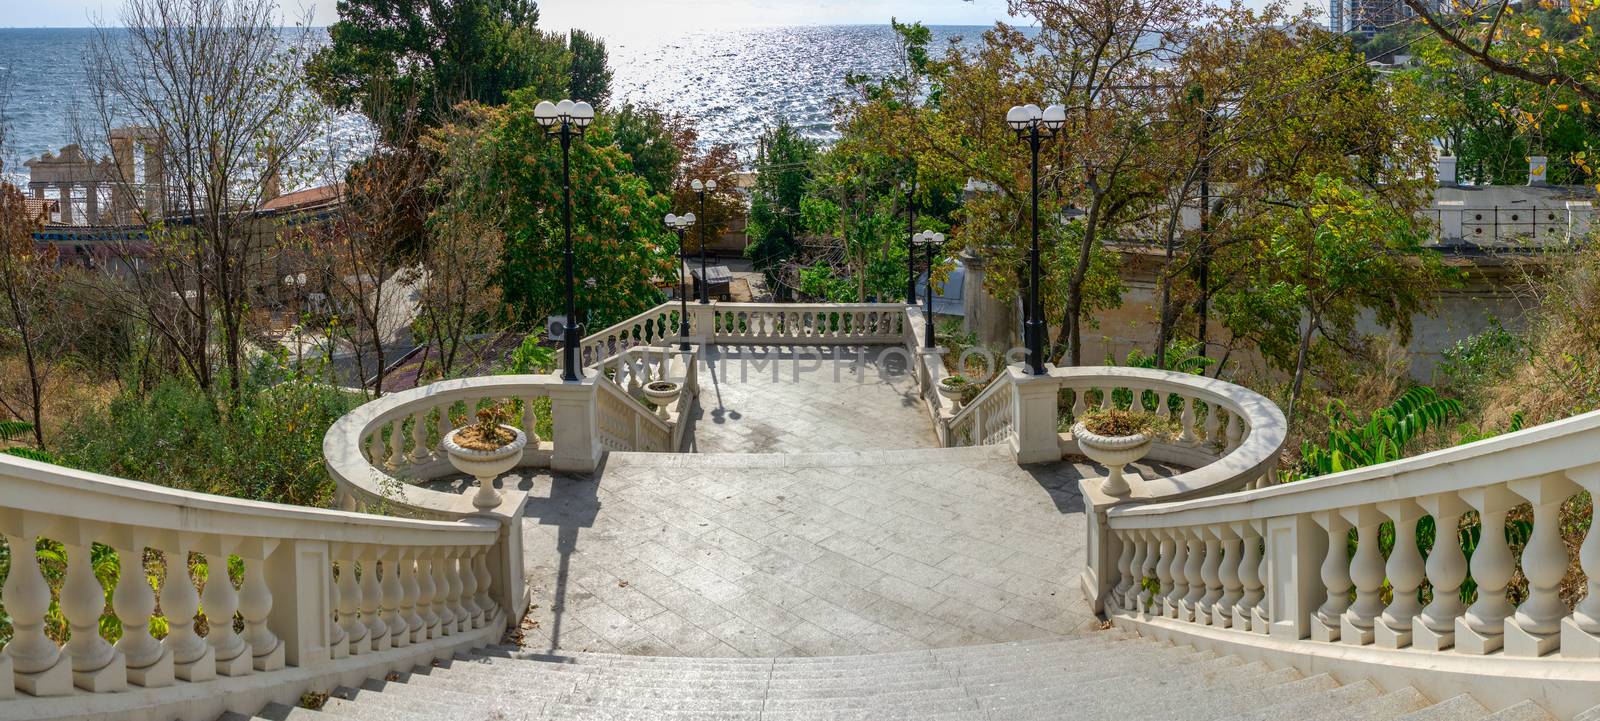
{"x": 681, "y": 223}
{"x": 701, "y": 187}
{"x": 929, "y": 240}
{"x": 567, "y": 120}
{"x": 1033, "y": 126}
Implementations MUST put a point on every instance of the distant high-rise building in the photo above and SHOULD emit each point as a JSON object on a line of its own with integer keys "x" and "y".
{"x": 1365, "y": 16}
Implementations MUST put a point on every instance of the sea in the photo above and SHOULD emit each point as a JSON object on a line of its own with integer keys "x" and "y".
{"x": 734, "y": 82}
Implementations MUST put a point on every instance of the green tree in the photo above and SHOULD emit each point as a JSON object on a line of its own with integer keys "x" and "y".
{"x": 440, "y": 52}
{"x": 1321, "y": 265}
{"x": 783, "y": 165}
{"x": 499, "y": 161}
{"x": 649, "y": 137}
{"x": 591, "y": 77}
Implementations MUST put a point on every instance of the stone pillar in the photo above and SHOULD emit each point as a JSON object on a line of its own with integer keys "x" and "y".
{"x": 994, "y": 320}
{"x": 66, "y": 202}
{"x": 574, "y": 427}
{"x": 91, "y": 204}
{"x": 301, "y": 615}
{"x": 1295, "y": 547}
{"x": 1036, "y": 439}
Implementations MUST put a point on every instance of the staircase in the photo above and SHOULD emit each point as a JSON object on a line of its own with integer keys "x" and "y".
{"x": 1104, "y": 675}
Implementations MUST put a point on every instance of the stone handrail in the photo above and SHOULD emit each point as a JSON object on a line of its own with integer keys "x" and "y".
{"x": 378, "y": 452}
{"x": 647, "y": 328}
{"x": 626, "y": 424}
{"x": 990, "y": 419}
{"x": 1277, "y": 561}
{"x": 808, "y": 323}
{"x": 313, "y": 604}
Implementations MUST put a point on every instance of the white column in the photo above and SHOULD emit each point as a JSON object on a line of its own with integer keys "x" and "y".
{"x": 1134, "y": 576}
{"x": 393, "y": 598}
{"x": 1036, "y": 439}
{"x": 371, "y": 596}
{"x": 1193, "y": 564}
{"x": 411, "y": 602}
{"x": 134, "y": 602}
{"x": 192, "y": 658}
{"x": 469, "y": 589}
{"x": 426, "y": 593}
{"x": 355, "y": 632}
{"x": 1434, "y": 629}
{"x": 1228, "y": 575}
{"x": 1535, "y": 629}
{"x": 221, "y": 601}
{"x": 1404, "y": 569}
{"x": 1366, "y": 571}
{"x": 1580, "y": 634}
{"x": 1178, "y": 587}
{"x": 1481, "y": 630}
{"x": 480, "y": 569}
{"x": 442, "y": 606}
{"x": 39, "y": 667}
{"x": 255, "y": 606}
{"x": 1335, "y": 574}
{"x": 338, "y": 640}
{"x": 97, "y": 667}
{"x": 1210, "y": 574}
{"x": 1249, "y": 574}
{"x": 575, "y": 433}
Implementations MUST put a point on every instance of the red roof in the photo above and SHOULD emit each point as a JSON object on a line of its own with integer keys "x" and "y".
{"x": 305, "y": 198}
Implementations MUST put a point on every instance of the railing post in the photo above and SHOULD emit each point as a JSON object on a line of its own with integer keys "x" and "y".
{"x": 1295, "y": 547}
{"x": 1101, "y": 550}
{"x": 1036, "y": 440}
{"x": 575, "y": 431}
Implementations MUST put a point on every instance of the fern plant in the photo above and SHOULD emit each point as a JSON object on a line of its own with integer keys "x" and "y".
{"x": 1354, "y": 442}
{"x": 14, "y": 431}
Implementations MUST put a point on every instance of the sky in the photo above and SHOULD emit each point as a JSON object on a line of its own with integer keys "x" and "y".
{"x": 612, "y": 17}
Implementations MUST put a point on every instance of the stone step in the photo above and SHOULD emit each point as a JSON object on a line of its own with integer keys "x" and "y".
{"x": 1590, "y": 715}
{"x": 1455, "y": 708}
{"x": 1525, "y": 711}
{"x": 1387, "y": 707}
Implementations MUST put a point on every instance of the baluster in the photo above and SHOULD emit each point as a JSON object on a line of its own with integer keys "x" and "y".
{"x": 1434, "y": 628}
{"x": 97, "y": 667}
{"x": 1106, "y": 398}
{"x": 1580, "y": 634}
{"x": 1079, "y": 403}
{"x": 134, "y": 601}
{"x": 394, "y": 599}
{"x": 1163, "y": 407}
{"x": 1187, "y": 419}
{"x": 406, "y": 567}
{"x": 338, "y": 641}
{"x": 1535, "y": 629}
{"x": 38, "y": 666}
{"x": 427, "y": 597}
{"x": 377, "y": 635}
{"x": 530, "y": 422}
{"x": 1260, "y": 619}
{"x": 419, "y": 442}
{"x": 441, "y": 595}
{"x": 1234, "y": 432}
{"x": 1124, "y": 568}
{"x": 192, "y": 658}
{"x": 1228, "y": 576}
{"x": 1481, "y": 630}
{"x": 1209, "y": 575}
{"x": 445, "y": 424}
{"x": 355, "y": 632}
{"x": 1152, "y": 568}
{"x": 1178, "y": 586}
{"x": 221, "y": 601}
{"x": 267, "y": 652}
{"x": 1366, "y": 571}
{"x": 1325, "y": 626}
{"x": 459, "y": 598}
{"x": 484, "y": 598}
{"x": 1249, "y": 576}
{"x": 1404, "y": 569}
{"x": 1133, "y": 578}
{"x": 469, "y": 582}
{"x": 375, "y": 447}
{"x": 397, "y": 452}
{"x": 1213, "y": 423}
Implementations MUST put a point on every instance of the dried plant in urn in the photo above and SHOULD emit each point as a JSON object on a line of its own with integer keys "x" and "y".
{"x": 485, "y": 450}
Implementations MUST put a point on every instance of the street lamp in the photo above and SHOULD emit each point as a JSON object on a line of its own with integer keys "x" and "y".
{"x": 910, "y": 189}
{"x": 929, "y": 239}
{"x": 701, "y": 187}
{"x": 1032, "y": 126}
{"x": 681, "y": 223}
{"x": 564, "y": 120}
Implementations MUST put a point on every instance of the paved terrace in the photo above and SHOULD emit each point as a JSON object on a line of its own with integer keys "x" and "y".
{"x": 816, "y": 518}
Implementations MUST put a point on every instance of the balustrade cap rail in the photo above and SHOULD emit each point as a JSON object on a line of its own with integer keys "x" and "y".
{"x": 33, "y": 487}
{"x": 1565, "y": 445}
{"x": 342, "y": 446}
{"x": 1257, "y": 452}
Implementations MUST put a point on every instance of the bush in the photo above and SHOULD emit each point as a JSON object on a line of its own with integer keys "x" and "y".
{"x": 269, "y": 448}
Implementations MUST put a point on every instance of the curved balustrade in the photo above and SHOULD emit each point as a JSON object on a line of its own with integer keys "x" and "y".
{"x": 377, "y": 452}
{"x": 809, "y": 323}
{"x": 652, "y": 327}
{"x": 1302, "y": 560}
{"x": 320, "y": 592}
{"x": 990, "y": 419}
{"x": 625, "y": 421}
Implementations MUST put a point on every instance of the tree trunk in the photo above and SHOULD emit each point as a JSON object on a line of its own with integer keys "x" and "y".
{"x": 1074, "y": 320}
{"x": 1300, "y": 364}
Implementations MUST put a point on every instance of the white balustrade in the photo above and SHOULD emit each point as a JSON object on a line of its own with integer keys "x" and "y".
{"x": 804, "y": 324}
{"x": 295, "y": 614}
{"x": 1278, "y": 559}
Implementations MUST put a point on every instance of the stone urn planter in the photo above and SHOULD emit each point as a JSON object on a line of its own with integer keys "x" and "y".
{"x": 663, "y": 394}
{"x": 1114, "y": 452}
{"x": 954, "y": 389}
{"x": 486, "y": 464}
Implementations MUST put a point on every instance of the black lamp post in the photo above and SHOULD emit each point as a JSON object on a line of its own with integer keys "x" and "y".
{"x": 930, "y": 240}
{"x": 1033, "y": 126}
{"x": 565, "y": 120}
{"x": 910, "y": 189}
{"x": 681, "y": 223}
{"x": 701, "y": 187}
